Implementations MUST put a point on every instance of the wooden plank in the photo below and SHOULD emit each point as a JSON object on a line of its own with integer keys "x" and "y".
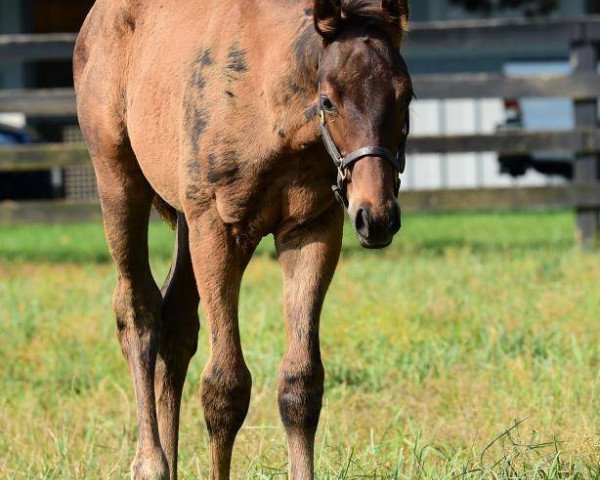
{"x": 50, "y": 102}
{"x": 508, "y": 142}
{"x": 501, "y": 33}
{"x": 495, "y": 33}
{"x": 578, "y": 86}
{"x": 427, "y": 201}
{"x": 581, "y": 86}
{"x": 43, "y": 156}
{"x": 59, "y": 211}
{"x": 585, "y": 140}
{"x": 498, "y": 199}
{"x": 30, "y": 47}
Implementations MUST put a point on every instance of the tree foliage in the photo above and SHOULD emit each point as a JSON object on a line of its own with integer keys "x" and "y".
{"x": 530, "y": 8}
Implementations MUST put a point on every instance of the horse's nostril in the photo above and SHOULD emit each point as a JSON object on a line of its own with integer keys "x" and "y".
{"x": 361, "y": 221}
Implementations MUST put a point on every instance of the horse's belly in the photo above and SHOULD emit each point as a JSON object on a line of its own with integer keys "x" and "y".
{"x": 154, "y": 139}
{"x": 154, "y": 96}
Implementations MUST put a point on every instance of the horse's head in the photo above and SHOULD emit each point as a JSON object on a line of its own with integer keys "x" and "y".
{"x": 365, "y": 91}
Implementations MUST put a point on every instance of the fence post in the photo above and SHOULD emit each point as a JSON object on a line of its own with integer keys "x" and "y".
{"x": 584, "y": 58}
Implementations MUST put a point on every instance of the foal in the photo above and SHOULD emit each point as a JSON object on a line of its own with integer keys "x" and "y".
{"x": 217, "y": 112}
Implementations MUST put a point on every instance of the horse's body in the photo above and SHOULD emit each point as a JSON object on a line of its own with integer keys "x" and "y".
{"x": 208, "y": 108}
{"x": 204, "y": 76}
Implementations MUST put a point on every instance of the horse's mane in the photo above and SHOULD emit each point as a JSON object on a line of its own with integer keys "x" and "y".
{"x": 372, "y": 9}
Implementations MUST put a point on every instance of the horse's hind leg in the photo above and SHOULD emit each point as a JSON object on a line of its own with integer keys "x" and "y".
{"x": 178, "y": 341}
{"x": 126, "y": 201}
{"x": 308, "y": 255}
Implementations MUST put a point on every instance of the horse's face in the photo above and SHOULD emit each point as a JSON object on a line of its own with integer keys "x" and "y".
{"x": 365, "y": 91}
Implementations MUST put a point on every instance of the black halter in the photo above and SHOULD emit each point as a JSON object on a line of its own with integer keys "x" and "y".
{"x": 398, "y": 160}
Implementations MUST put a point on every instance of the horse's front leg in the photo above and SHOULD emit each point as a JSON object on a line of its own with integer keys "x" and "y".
{"x": 220, "y": 257}
{"x": 308, "y": 255}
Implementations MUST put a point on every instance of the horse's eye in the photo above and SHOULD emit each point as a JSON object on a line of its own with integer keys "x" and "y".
{"x": 327, "y": 104}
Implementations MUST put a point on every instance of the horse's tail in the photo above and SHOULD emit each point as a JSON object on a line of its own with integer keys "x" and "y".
{"x": 166, "y": 211}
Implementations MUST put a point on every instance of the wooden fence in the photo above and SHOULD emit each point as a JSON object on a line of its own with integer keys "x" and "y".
{"x": 581, "y": 35}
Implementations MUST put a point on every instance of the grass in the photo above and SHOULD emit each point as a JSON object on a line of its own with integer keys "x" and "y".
{"x": 469, "y": 349}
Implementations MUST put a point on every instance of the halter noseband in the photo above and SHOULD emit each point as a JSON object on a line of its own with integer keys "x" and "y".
{"x": 340, "y": 190}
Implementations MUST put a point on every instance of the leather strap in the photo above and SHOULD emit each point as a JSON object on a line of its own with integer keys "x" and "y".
{"x": 398, "y": 161}
{"x": 381, "y": 152}
{"x": 334, "y": 153}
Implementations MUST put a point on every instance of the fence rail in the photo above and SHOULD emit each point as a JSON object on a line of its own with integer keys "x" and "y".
{"x": 580, "y": 35}
{"x": 421, "y": 201}
{"x": 507, "y": 33}
{"x": 578, "y": 86}
{"x": 27, "y": 48}
{"x": 504, "y": 33}
{"x": 56, "y": 102}
{"x": 581, "y": 141}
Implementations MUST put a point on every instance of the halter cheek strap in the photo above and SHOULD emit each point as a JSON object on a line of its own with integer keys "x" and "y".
{"x": 342, "y": 163}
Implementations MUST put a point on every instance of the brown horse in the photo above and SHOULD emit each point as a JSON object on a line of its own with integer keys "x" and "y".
{"x": 216, "y": 112}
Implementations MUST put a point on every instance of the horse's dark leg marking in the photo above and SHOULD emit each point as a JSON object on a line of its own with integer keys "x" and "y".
{"x": 178, "y": 342}
{"x": 308, "y": 256}
{"x": 126, "y": 200}
{"x": 221, "y": 258}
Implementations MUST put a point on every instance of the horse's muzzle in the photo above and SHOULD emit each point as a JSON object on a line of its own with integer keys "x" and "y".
{"x": 376, "y": 232}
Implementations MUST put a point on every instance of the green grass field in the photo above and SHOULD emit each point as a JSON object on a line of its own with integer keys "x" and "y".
{"x": 468, "y": 349}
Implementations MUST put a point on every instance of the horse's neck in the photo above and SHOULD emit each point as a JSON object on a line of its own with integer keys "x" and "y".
{"x": 295, "y": 88}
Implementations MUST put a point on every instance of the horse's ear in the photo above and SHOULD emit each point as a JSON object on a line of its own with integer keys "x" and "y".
{"x": 399, "y": 10}
{"x": 328, "y": 17}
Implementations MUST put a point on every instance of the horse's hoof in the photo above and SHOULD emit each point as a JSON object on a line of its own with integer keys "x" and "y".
{"x": 150, "y": 466}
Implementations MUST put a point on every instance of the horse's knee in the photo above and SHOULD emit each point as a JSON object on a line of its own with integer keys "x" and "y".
{"x": 225, "y": 397}
{"x": 137, "y": 311}
{"x": 301, "y": 394}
